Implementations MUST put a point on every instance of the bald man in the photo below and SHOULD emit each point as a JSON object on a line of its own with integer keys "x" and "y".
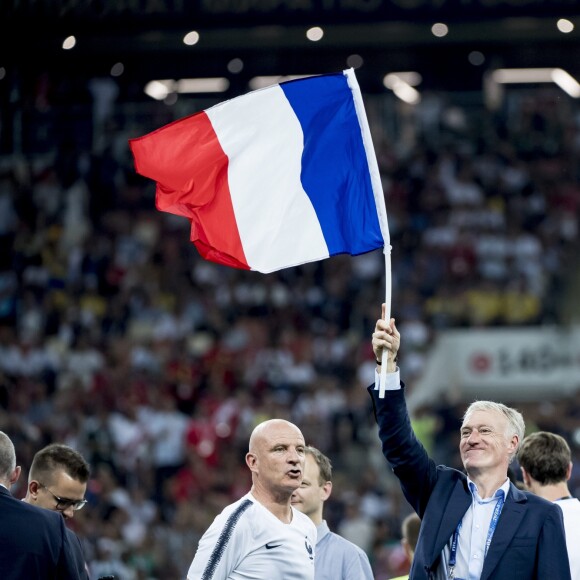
{"x": 262, "y": 535}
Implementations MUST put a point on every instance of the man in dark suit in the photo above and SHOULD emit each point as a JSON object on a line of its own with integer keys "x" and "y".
{"x": 33, "y": 542}
{"x": 476, "y": 525}
{"x": 57, "y": 481}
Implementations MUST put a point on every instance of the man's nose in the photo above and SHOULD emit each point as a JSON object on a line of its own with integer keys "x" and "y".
{"x": 293, "y": 456}
{"x": 473, "y": 436}
{"x": 68, "y": 513}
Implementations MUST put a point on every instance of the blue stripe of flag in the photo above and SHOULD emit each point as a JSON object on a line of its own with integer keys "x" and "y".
{"x": 335, "y": 171}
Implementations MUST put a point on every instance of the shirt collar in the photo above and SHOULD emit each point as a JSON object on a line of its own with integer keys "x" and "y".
{"x": 321, "y": 530}
{"x": 501, "y": 491}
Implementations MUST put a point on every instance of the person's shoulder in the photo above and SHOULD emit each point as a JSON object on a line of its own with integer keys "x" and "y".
{"x": 532, "y": 500}
{"x": 73, "y": 537}
{"x": 522, "y": 495}
{"x": 238, "y": 510}
{"x": 246, "y": 500}
{"x": 302, "y": 518}
{"x": 537, "y": 500}
{"x": 53, "y": 519}
{"x": 37, "y": 514}
{"x": 42, "y": 522}
{"x": 38, "y": 520}
{"x": 354, "y": 559}
{"x": 345, "y": 545}
{"x": 570, "y": 503}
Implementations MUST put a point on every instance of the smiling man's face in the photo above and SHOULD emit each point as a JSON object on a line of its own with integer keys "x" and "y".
{"x": 484, "y": 443}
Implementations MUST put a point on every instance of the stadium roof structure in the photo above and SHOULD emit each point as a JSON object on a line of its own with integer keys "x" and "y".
{"x": 268, "y": 37}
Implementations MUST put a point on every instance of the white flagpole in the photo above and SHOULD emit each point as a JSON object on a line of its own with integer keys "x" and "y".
{"x": 379, "y": 202}
{"x": 388, "y": 284}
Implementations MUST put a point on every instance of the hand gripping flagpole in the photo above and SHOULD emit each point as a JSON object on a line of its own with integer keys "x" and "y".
{"x": 380, "y": 204}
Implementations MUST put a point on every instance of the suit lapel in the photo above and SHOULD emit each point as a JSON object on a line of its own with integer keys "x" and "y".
{"x": 510, "y": 519}
{"x": 459, "y": 501}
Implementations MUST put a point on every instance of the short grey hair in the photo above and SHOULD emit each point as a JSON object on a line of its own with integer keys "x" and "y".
{"x": 7, "y": 457}
{"x": 516, "y": 424}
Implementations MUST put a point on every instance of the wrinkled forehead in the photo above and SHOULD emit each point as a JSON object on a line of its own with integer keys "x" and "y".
{"x": 283, "y": 433}
{"x": 274, "y": 433}
{"x": 488, "y": 417}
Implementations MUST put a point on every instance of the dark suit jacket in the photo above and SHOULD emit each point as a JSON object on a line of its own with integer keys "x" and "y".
{"x": 78, "y": 555}
{"x": 33, "y": 542}
{"x": 529, "y": 541}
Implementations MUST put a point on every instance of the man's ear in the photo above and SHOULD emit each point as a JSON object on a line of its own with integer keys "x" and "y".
{"x": 525, "y": 478}
{"x": 514, "y": 443}
{"x": 33, "y": 488}
{"x": 326, "y": 490}
{"x": 569, "y": 473}
{"x": 251, "y": 461}
{"x": 15, "y": 475}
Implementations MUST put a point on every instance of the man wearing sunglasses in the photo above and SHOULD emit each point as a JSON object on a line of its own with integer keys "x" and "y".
{"x": 57, "y": 481}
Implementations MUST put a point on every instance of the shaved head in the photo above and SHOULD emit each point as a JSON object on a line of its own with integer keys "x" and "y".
{"x": 276, "y": 459}
{"x": 267, "y": 429}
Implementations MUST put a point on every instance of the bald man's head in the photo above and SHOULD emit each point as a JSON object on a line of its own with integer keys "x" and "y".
{"x": 276, "y": 454}
{"x": 271, "y": 428}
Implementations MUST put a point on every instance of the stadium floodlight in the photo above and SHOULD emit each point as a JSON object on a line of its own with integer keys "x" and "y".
{"x": 403, "y": 86}
{"x": 160, "y": 89}
{"x": 557, "y": 76}
{"x": 262, "y": 82}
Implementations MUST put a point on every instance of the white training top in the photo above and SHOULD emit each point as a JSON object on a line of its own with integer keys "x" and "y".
{"x": 247, "y": 542}
{"x": 571, "y": 509}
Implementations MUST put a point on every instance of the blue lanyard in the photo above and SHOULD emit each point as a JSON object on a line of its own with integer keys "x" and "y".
{"x": 490, "y": 532}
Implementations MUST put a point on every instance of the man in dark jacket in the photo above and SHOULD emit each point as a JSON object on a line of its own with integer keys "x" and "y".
{"x": 476, "y": 525}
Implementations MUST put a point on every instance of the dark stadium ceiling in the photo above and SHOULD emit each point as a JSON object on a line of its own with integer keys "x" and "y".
{"x": 269, "y": 37}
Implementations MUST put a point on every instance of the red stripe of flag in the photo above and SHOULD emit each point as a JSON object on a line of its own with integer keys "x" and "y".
{"x": 191, "y": 171}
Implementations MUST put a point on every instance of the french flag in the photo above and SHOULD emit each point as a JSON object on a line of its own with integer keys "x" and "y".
{"x": 274, "y": 178}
